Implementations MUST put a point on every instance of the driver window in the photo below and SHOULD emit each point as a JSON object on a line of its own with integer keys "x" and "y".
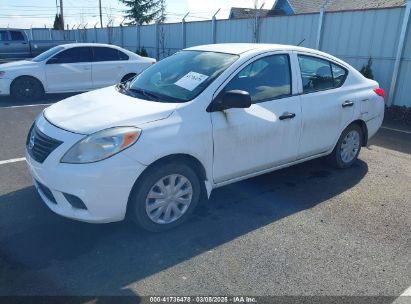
{"x": 73, "y": 55}
{"x": 265, "y": 79}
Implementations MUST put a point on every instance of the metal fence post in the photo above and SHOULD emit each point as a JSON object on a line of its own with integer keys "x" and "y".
{"x": 214, "y": 27}
{"x": 95, "y": 33}
{"x": 398, "y": 57}
{"x": 50, "y": 34}
{"x": 320, "y": 27}
{"x": 183, "y": 30}
{"x": 157, "y": 25}
{"x": 138, "y": 37}
{"x": 122, "y": 35}
{"x": 257, "y": 27}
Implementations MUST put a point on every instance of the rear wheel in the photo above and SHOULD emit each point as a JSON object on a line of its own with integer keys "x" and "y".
{"x": 347, "y": 148}
{"x": 26, "y": 88}
{"x": 164, "y": 197}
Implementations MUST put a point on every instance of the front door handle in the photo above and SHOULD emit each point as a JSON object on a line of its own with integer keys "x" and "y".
{"x": 347, "y": 103}
{"x": 287, "y": 115}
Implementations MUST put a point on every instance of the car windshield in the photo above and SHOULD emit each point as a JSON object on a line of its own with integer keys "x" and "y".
{"x": 47, "y": 54}
{"x": 181, "y": 77}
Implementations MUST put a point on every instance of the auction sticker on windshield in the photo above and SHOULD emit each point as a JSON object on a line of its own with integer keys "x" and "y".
{"x": 191, "y": 80}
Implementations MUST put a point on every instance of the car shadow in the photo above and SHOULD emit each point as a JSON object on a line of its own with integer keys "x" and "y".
{"x": 8, "y": 101}
{"x": 44, "y": 254}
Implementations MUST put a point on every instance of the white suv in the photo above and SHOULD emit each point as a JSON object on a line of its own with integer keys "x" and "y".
{"x": 203, "y": 118}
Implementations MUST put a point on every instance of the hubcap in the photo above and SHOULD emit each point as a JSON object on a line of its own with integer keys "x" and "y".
{"x": 27, "y": 88}
{"x": 350, "y": 146}
{"x": 169, "y": 198}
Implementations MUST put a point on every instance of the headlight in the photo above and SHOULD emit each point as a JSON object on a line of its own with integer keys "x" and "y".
{"x": 101, "y": 145}
{"x": 2, "y": 73}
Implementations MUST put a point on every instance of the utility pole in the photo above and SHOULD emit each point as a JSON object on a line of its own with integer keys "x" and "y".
{"x": 101, "y": 16}
{"x": 61, "y": 13}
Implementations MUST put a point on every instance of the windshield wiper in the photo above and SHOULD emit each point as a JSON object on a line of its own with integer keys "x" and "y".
{"x": 145, "y": 93}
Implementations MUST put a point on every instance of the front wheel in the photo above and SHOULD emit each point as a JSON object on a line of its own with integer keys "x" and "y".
{"x": 347, "y": 148}
{"x": 164, "y": 197}
{"x": 26, "y": 88}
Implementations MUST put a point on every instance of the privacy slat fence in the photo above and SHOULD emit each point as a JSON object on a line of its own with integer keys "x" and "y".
{"x": 353, "y": 36}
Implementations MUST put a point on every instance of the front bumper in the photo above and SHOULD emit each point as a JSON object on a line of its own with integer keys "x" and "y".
{"x": 5, "y": 86}
{"x": 104, "y": 187}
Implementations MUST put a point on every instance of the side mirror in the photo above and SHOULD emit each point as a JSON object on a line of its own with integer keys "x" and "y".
{"x": 52, "y": 60}
{"x": 231, "y": 99}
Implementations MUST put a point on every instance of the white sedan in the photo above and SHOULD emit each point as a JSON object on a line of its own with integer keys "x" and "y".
{"x": 203, "y": 118}
{"x": 75, "y": 67}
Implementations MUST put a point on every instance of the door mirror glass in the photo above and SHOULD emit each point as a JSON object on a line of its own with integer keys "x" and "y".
{"x": 232, "y": 99}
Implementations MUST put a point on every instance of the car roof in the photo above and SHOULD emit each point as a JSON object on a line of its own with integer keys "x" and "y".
{"x": 241, "y": 48}
{"x": 77, "y": 44}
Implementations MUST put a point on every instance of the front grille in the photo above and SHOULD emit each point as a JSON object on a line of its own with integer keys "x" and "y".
{"x": 39, "y": 145}
{"x": 46, "y": 192}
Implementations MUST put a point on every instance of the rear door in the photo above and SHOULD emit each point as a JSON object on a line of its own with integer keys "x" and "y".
{"x": 109, "y": 66}
{"x": 326, "y": 106}
{"x": 18, "y": 45}
{"x": 266, "y": 134}
{"x": 69, "y": 70}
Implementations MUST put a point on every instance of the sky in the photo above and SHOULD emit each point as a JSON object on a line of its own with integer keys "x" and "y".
{"x": 40, "y": 13}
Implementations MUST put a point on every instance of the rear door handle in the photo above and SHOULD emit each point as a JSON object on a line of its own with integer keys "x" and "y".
{"x": 347, "y": 103}
{"x": 287, "y": 115}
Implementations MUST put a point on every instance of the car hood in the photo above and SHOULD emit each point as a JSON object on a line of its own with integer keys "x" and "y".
{"x": 17, "y": 64}
{"x": 105, "y": 108}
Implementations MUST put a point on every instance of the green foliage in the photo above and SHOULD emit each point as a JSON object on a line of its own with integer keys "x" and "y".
{"x": 58, "y": 23}
{"x": 143, "y": 11}
{"x": 142, "y": 52}
{"x": 366, "y": 70}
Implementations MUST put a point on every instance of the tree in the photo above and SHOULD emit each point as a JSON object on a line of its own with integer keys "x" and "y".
{"x": 366, "y": 70}
{"x": 162, "y": 34}
{"x": 142, "y": 11}
{"x": 58, "y": 23}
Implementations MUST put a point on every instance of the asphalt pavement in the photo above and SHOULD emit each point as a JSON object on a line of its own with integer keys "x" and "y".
{"x": 306, "y": 230}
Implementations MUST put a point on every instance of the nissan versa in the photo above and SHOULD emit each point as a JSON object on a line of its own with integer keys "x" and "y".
{"x": 203, "y": 118}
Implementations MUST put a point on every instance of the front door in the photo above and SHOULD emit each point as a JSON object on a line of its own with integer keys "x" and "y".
{"x": 266, "y": 134}
{"x": 69, "y": 71}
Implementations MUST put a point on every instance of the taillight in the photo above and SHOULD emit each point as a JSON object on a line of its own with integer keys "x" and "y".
{"x": 380, "y": 92}
{"x": 153, "y": 62}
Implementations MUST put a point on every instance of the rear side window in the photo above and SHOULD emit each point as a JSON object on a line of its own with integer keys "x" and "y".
{"x": 4, "y": 36}
{"x": 339, "y": 74}
{"x": 265, "y": 79}
{"x": 319, "y": 74}
{"x": 74, "y": 55}
{"x": 108, "y": 54}
{"x": 16, "y": 36}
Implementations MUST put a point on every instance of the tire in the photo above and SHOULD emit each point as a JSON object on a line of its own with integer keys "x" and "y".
{"x": 26, "y": 88}
{"x": 142, "y": 209}
{"x": 128, "y": 77}
{"x": 348, "y": 147}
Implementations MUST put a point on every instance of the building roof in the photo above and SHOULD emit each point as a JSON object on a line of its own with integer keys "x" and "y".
{"x": 313, "y": 6}
{"x": 241, "y": 13}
